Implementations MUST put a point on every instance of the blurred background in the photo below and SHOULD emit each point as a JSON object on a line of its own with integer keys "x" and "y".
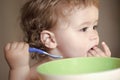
{"x": 109, "y": 27}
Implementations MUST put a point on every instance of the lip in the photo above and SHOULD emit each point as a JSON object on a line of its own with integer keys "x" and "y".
{"x": 91, "y": 48}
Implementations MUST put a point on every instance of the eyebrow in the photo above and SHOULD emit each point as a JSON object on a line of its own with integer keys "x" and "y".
{"x": 88, "y": 22}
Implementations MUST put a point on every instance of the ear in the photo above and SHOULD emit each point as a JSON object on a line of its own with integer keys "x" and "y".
{"x": 48, "y": 39}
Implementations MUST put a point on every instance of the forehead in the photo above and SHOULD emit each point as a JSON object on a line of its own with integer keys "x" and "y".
{"x": 78, "y": 16}
{"x": 88, "y": 14}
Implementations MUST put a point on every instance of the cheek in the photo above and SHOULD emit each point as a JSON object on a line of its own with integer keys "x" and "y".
{"x": 73, "y": 48}
{"x": 72, "y": 45}
{"x": 67, "y": 46}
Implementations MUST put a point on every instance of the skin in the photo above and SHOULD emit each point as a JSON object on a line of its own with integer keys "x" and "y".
{"x": 80, "y": 40}
{"x": 80, "y": 35}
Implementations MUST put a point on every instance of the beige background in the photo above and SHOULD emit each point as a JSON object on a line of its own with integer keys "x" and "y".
{"x": 109, "y": 27}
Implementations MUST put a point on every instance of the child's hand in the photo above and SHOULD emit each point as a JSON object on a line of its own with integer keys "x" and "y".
{"x": 17, "y": 54}
{"x": 100, "y": 53}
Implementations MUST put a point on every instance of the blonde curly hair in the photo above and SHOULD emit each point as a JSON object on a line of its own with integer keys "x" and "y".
{"x": 39, "y": 15}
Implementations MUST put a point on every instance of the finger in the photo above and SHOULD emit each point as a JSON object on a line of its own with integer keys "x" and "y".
{"x": 90, "y": 55}
{"x": 20, "y": 45}
{"x": 106, "y": 49}
{"x": 26, "y": 46}
{"x": 7, "y": 46}
{"x": 99, "y": 51}
{"x": 93, "y": 53}
{"x": 13, "y": 45}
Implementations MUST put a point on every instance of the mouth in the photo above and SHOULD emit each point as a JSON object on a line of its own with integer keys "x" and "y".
{"x": 92, "y": 48}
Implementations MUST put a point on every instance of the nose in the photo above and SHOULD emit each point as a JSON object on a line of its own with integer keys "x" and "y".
{"x": 93, "y": 36}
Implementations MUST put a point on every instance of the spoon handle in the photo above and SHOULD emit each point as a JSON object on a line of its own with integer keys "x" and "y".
{"x": 39, "y": 51}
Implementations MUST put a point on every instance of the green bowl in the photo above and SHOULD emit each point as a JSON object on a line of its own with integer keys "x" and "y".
{"x": 80, "y": 68}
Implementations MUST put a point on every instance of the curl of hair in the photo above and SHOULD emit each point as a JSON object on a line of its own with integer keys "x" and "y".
{"x": 39, "y": 15}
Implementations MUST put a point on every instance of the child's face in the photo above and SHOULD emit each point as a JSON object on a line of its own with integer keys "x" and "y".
{"x": 76, "y": 37}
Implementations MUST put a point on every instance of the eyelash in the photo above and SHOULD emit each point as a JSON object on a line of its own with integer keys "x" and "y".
{"x": 85, "y": 28}
{"x": 95, "y": 27}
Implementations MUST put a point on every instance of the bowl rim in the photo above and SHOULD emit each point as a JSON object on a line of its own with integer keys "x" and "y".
{"x": 111, "y": 58}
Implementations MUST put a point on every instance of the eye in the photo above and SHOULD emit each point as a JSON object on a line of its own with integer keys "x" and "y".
{"x": 95, "y": 27}
{"x": 84, "y": 29}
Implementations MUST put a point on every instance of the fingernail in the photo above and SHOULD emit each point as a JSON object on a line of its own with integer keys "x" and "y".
{"x": 103, "y": 43}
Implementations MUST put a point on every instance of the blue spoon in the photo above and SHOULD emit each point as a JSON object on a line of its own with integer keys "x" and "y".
{"x": 39, "y": 51}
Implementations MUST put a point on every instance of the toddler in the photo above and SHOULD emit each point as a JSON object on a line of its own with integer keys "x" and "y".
{"x": 61, "y": 27}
